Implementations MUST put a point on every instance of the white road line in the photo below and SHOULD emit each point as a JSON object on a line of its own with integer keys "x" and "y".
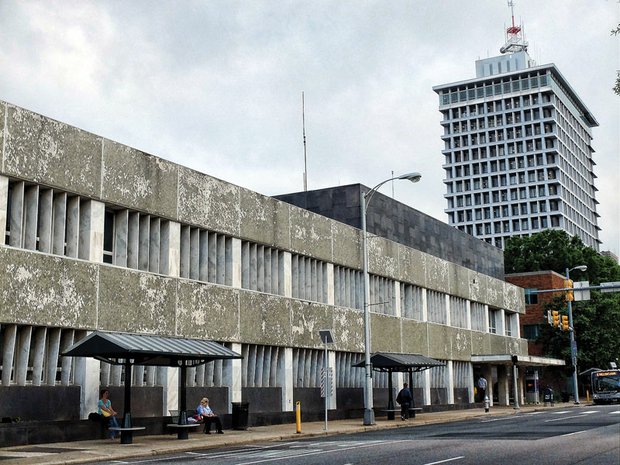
{"x": 534, "y": 413}
{"x": 315, "y": 453}
{"x": 565, "y": 418}
{"x": 447, "y": 460}
{"x": 561, "y": 412}
{"x": 576, "y": 432}
{"x": 587, "y": 412}
{"x": 615, "y": 413}
{"x": 501, "y": 419}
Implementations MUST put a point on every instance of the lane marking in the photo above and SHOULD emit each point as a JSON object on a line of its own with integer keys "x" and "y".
{"x": 576, "y": 432}
{"x": 615, "y": 413}
{"x": 501, "y": 419}
{"x": 566, "y": 418}
{"x": 561, "y": 412}
{"x": 534, "y": 413}
{"x": 447, "y": 460}
{"x": 331, "y": 451}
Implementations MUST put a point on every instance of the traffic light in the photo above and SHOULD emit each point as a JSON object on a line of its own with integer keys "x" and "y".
{"x": 565, "y": 326}
{"x": 569, "y": 296}
{"x": 555, "y": 318}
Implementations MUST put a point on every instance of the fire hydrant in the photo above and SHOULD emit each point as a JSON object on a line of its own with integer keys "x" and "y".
{"x": 487, "y": 404}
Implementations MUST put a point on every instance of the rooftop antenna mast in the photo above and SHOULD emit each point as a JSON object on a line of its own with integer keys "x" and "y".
{"x": 514, "y": 38}
{"x": 303, "y": 125}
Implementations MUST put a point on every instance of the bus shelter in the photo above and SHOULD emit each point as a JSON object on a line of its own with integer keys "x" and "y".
{"x": 403, "y": 363}
{"x": 130, "y": 349}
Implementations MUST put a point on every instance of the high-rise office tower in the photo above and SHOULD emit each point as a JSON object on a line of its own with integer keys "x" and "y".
{"x": 518, "y": 150}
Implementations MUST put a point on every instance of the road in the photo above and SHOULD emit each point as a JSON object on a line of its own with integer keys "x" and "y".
{"x": 589, "y": 435}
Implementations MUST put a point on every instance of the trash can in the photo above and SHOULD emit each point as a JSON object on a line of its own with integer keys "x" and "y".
{"x": 240, "y": 411}
{"x": 548, "y": 396}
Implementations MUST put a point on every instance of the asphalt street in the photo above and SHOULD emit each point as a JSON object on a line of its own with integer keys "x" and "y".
{"x": 589, "y": 435}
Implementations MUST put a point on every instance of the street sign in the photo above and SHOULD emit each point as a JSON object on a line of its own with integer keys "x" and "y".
{"x": 581, "y": 295}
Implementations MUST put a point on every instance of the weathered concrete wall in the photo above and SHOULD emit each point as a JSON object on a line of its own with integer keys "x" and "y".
{"x": 89, "y": 295}
{"x": 44, "y": 290}
{"x": 52, "y": 153}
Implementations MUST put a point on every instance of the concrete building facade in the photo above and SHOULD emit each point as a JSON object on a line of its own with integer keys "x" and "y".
{"x": 518, "y": 155}
{"x": 95, "y": 235}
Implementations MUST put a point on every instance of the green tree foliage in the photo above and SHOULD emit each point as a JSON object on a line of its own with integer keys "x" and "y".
{"x": 597, "y": 321}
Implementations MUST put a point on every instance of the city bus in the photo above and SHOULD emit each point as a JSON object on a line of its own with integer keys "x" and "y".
{"x": 606, "y": 386}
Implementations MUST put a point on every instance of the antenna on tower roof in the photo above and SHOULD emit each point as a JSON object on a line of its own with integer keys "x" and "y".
{"x": 514, "y": 37}
{"x": 303, "y": 125}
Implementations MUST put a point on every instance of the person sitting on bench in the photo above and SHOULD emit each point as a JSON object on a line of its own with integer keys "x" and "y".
{"x": 209, "y": 416}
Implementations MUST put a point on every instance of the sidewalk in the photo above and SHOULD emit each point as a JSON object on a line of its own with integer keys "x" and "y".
{"x": 148, "y": 446}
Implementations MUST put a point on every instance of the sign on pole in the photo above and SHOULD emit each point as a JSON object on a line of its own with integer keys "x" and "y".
{"x": 583, "y": 294}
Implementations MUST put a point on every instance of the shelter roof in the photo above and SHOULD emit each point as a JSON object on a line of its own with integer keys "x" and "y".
{"x": 386, "y": 361}
{"x": 146, "y": 349}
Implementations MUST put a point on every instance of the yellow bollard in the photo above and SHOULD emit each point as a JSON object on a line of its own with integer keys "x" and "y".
{"x": 587, "y": 395}
{"x": 298, "y": 416}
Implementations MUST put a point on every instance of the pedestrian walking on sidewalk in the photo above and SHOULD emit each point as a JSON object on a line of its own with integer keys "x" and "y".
{"x": 404, "y": 398}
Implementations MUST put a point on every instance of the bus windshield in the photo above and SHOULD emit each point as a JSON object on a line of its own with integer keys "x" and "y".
{"x": 606, "y": 385}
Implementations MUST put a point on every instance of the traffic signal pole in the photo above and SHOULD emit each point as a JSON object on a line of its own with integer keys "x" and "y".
{"x": 573, "y": 344}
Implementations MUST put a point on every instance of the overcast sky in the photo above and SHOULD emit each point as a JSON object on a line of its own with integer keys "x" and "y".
{"x": 216, "y": 85}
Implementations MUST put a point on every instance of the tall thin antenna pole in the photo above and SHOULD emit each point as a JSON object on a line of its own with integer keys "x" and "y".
{"x": 303, "y": 124}
{"x": 392, "y": 183}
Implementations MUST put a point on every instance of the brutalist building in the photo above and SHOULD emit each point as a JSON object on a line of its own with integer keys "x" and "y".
{"x": 98, "y": 236}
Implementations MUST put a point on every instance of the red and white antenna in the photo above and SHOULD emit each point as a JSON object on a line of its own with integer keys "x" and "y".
{"x": 514, "y": 37}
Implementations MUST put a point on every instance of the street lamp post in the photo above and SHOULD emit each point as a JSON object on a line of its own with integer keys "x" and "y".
{"x": 369, "y": 414}
{"x": 573, "y": 344}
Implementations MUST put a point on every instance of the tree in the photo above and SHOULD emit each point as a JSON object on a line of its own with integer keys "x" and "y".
{"x": 597, "y": 321}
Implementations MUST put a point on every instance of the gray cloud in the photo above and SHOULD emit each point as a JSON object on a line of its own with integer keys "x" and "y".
{"x": 216, "y": 85}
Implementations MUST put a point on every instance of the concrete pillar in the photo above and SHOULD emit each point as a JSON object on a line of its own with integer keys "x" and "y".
{"x": 232, "y": 376}
{"x": 468, "y": 315}
{"x": 171, "y": 249}
{"x": 4, "y": 206}
{"x": 397, "y": 309}
{"x": 87, "y": 371}
{"x": 38, "y": 355}
{"x": 168, "y": 377}
{"x": 236, "y": 263}
{"x": 287, "y": 274}
{"x": 330, "y": 284}
{"x": 448, "y": 311}
{"x": 285, "y": 378}
{"x": 501, "y": 322}
{"x": 503, "y": 384}
{"x": 22, "y": 354}
{"x": 424, "y": 315}
{"x": 450, "y": 381}
{"x": 92, "y": 217}
{"x": 427, "y": 387}
{"x": 470, "y": 388}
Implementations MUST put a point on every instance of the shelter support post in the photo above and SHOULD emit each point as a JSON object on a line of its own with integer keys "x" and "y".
{"x": 390, "y": 406}
{"x": 127, "y": 436}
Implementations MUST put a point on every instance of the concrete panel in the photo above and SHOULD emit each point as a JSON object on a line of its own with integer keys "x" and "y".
{"x": 494, "y": 295}
{"x": 384, "y": 333}
{"x": 516, "y": 346}
{"x": 479, "y": 343}
{"x": 414, "y": 337}
{"x": 139, "y": 180}
{"x": 348, "y": 326}
{"x": 475, "y": 286}
{"x": 498, "y": 344}
{"x": 514, "y": 298}
{"x": 207, "y": 311}
{"x": 460, "y": 279}
{"x": 43, "y": 290}
{"x": 264, "y": 319}
{"x": 439, "y": 344}
{"x": 134, "y": 301}
{"x": 49, "y": 152}
{"x": 307, "y": 318}
{"x": 347, "y": 245}
{"x": 412, "y": 266}
{"x": 438, "y": 274}
{"x": 208, "y": 202}
{"x": 382, "y": 256}
{"x": 264, "y": 219}
{"x": 461, "y": 344}
{"x": 309, "y": 232}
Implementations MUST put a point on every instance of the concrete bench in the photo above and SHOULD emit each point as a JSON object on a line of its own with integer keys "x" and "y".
{"x": 127, "y": 433}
